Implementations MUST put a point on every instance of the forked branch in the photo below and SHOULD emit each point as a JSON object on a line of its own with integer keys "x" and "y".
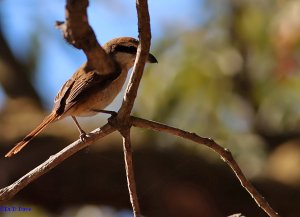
{"x": 9, "y": 191}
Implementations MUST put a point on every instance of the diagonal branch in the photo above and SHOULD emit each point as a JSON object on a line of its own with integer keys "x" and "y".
{"x": 80, "y": 34}
{"x": 54, "y": 160}
{"x": 9, "y": 191}
{"x": 224, "y": 153}
{"x": 130, "y": 173}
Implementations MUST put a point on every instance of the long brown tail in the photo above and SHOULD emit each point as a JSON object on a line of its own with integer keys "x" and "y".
{"x": 50, "y": 118}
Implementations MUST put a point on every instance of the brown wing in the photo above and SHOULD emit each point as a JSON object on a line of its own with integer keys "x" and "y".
{"x": 78, "y": 87}
{"x": 63, "y": 93}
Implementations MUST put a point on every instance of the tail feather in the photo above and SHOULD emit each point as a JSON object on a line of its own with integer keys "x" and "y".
{"x": 18, "y": 147}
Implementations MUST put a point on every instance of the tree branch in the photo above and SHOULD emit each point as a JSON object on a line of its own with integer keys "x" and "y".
{"x": 80, "y": 34}
{"x": 54, "y": 160}
{"x": 224, "y": 153}
{"x": 130, "y": 172}
{"x": 124, "y": 112}
{"x": 9, "y": 191}
{"x": 141, "y": 57}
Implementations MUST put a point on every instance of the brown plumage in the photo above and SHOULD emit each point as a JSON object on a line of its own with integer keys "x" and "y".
{"x": 89, "y": 91}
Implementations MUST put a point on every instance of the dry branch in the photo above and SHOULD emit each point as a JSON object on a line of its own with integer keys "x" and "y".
{"x": 9, "y": 191}
{"x": 130, "y": 95}
{"x": 54, "y": 160}
{"x": 224, "y": 153}
{"x": 141, "y": 57}
{"x": 80, "y": 34}
{"x": 130, "y": 172}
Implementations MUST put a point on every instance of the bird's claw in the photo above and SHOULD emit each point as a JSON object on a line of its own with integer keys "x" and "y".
{"x": 83, "y": 136}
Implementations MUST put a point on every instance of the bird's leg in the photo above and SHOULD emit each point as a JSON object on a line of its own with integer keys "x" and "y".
{"x": 81, "y": 131}
{"x": 112, "y": 113}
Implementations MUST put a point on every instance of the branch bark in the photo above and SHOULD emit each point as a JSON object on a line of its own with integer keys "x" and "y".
{"x": 54, "y": 160}
{"x": 9, "y": 191}
{"x": 78, "y": 32}
{"x": 142, "y": 55}
{"x": 130, "y": 95}
{"x": 224, "y": 153}
{"x": 130, "y": 172}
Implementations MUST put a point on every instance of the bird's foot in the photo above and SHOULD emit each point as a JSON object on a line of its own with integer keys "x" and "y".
{"x": 83, "y": 136}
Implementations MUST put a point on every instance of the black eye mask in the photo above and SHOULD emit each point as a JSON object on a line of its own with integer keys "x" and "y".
{"x": 126, "y": 49}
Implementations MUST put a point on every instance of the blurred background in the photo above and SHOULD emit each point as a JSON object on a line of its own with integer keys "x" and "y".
{"x": 227, "y": 69}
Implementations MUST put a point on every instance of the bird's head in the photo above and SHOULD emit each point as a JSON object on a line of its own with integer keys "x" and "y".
{"x": 124, "y": 50}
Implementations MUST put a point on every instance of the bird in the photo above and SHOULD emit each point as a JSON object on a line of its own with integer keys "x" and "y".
{"x": 89, "y": 91}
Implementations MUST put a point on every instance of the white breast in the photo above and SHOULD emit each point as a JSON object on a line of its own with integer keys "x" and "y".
{"x": 103, "y": 98}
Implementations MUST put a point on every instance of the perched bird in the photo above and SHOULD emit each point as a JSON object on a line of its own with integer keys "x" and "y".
{"x": 89, "y": 91}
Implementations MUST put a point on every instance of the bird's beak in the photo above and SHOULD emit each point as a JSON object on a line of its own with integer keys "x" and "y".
{"x": 152, "y": 59}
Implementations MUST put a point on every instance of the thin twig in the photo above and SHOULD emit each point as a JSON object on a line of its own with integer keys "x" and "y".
{"x": 130, "y": 173}
{"x": 224, "y": 153}
{"x": 54, "y": 160}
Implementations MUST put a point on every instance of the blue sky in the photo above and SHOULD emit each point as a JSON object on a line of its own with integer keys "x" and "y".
{"x": 22, "y": 19}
